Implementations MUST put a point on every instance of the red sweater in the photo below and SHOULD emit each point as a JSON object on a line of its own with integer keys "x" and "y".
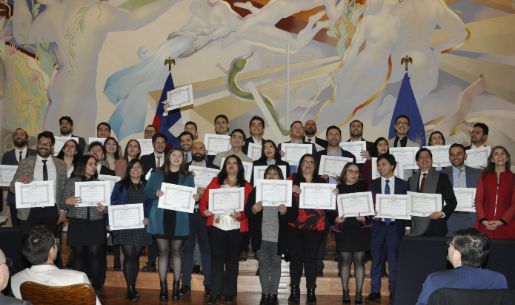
{"x": 204, "y": 204}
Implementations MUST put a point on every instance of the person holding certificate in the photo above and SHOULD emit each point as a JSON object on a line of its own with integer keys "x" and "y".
{"x": 305, "y": 230}
{"x": 170, "y": 228}
{"x": 386, "y": 232}
{"x": 436, "y": 138}
{"x": 352, "y": 234}
{"x": 268, "y": 228}
{"x": 270, "y": 155}
{"x": 86, "y": 226}
{"x": 70, "y": 154}
{"x": 113, "y": 154}
{"x": 225, "y": 231}
{"x": 132, "y": 151}
{"x": 495, "y": 197}
{"x": 131, "y": 190}
{"x": 237, "y": 142}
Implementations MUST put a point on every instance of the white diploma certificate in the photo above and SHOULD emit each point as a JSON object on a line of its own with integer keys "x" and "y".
{"x": 203, "y": 175}
{"x": 293, "y": 152}
{"x": 7, "y": 174}
{"x": 177, "y": 197}
{"x": 37, "y": 194}
{"x": 317, "y": 196}
{"x": 440, "y": 155}
{"x": 405, "y": 156}
{"x": 180, "y": 97}
{"x": 111, "y": 179}
{"x": 247, "y": 168}
{"x": 94, "y": 139}
{"x": 259, "y": 171}
{"x": 59, "y": 143}
{"x": 254, "y": 151}
{"x": 93, "y": 192}
{"x": 423, "y": 204}
{"x": 146, "y": 146}
{"x": 392, "y": 206}
{"x": 226, "y": 199}
{"x": 216, "y": 143}
{"x": 478, "y": 158}
{"x": 355, "y": 204}
{"x": 273, "y": 192}
{"x": 126, "y": 216}
{"x": 355, "y": 147}
{"x": 398, "y": 172}
{"x": 465, "y": 198}
{"x": 332, "y": 165}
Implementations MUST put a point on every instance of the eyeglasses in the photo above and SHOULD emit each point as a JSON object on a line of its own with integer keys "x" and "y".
{"x": 159, "y": 141}
{"x": 308, "y": 162}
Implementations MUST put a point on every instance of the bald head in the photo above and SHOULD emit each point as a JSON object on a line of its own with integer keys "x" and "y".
{"x": 4, "y": 271}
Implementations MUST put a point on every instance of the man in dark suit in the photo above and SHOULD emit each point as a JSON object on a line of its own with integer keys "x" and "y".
{"x": 467, "y": 251}
{"x": 257, "y": 130}
{"x": 4, "y": 280}
{"x": 186, "y": 142}
{"x": 310, "y": 131}
{"x": 66, "y": 129}
{"x": 461, "y": 176}
{"x": 428, "y": 180}
{"x": 386, "y": 232}
{"x": 297, "y": 137}
{"x": 356, "y": 134}
{"x": 13, "y": 157}
{"x": 333, "y": 134}
{"x": 478, "y": 136}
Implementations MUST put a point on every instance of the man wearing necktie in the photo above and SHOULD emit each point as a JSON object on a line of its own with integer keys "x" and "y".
{"x": 428, "y": 180}
{"x": 386, "y": 232}
{"x": 42, "y": 167}
{"x": 13, "y": 157}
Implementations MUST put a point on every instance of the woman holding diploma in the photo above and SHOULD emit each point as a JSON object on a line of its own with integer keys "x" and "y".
{"x": 305, "y": 230}
{"x": 169, "y": 227}
{"x": 351, "y": 234}
{"x": 70, "y": 155}
{"x": 268, "y": 228}
{"x": 86, "y": 227}
{"x": 225, "y": 231}
{"x": 271, "y": 155}
{"x": 495, "y": 197}
{"x": 132, "y": 151}
{"x": 131, "y": 190}
{"x": 113, "y": 154}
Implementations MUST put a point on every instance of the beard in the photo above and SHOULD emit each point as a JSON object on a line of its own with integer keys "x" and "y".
{"x": 20, "y": 143}
{"x": 198, "y": 157}
{"x": 311, "y": 131}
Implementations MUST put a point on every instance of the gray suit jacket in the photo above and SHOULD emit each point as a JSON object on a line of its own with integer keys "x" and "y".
{"x": 26, "y": 168}
{"x": 5, "y": 300}
{"x": 471, "y": 175}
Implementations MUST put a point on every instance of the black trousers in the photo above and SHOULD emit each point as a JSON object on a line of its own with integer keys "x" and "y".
{"x": 303, "y": 246}
{"x": 225, "y": 254}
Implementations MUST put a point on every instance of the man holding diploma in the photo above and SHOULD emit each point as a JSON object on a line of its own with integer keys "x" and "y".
{"x": 428, "y": 180}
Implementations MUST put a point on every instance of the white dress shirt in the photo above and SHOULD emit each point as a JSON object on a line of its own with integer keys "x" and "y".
{"x": 23, "y": 153}
{"x": 38, "y": 170}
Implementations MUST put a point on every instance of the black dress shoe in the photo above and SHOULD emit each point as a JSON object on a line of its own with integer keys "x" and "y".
{"x": 196, "y": 269}
{"x": 132, "y": 294}
{"x": 229, "y": 299}
{"x": 214, "y": 299}
{"x": 359, "y": 298}
{"x": 149, "y": 267}
{"x": 311, "y": 297}
{"x": 207, "y": 291}
{"x": 272, "y": 299}
{"x": 185, "y": 289}
{"x": 117, "y": 268}
{"x": 373, "y": 296}
{"x": 264, "y": 299}
{"x": 346, "y": 297}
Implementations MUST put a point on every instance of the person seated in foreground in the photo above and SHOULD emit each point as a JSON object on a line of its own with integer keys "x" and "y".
{"x": 4, "y": 279}
{"x": 40, "y": 249}
{"x": 468, "y": 250}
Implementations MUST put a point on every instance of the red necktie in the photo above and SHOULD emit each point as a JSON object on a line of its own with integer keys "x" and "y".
{"x": 309, "y": 140}
{"x": 422, "y": 182}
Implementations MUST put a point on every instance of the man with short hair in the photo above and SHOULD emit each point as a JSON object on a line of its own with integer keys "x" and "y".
{"x": 66, "y": 129}
{"x": 191, "y": 127}
{"x": 428, "y": 180}
{"x": 478, "y": 136}
{"x": 40, "y": 249}
{"x": 222, "y": 124}
{"x": 333, "y": 134}
{"x": 237, "y": 141}
{"x": 13, "y": 157}
{"x": 467, "y": 251}
{"x": 356, "y": 134}
{"x": 149, "y": 131}
{"x": 4, "y": 280}
{"x": 461, "y": 176}
{"x": 297, "y": 137}
{"x": 42, "y": 167}
{"x": 257, "y": 130}
{"x": 103, "y": 130}
{"x": 310, "y": 131}
{"x": 97, "y": 150}
{"x": 186, "y": 140}
{"x": 401, "y": 133}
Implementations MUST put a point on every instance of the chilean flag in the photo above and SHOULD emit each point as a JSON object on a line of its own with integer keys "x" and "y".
{"x": 164, "y": 123}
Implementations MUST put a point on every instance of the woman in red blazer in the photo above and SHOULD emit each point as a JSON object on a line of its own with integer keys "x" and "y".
{"x": 495, "y": 198}
{"x": 225, "y": 231}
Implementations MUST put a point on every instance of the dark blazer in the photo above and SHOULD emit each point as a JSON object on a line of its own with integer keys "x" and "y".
{"x": 318, "y": 141}
{"x": 149, "y": 162}
{"x": 471, "y": 175}
{"x": 104, "y": 170}
{"x": 5, "y": 300}
{"x": 401, "y": 187}
{"x": 248, "y": 140}
{"x": 9, "y": 157}
{"x": 277, "y": 162}
{"x": 344, "y": 152}
{"x": 436, "y": 183}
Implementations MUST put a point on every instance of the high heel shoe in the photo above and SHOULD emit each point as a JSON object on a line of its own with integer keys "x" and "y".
{"x": 294, "y": 297}
{"x": 176, "y": 291}
{"x": 359, "y": 298}
{"x": 132, "y": 294}
{"x": 163, "y": 295}
{"x": 311, "y": 297}
{"x": 346, "y": 297}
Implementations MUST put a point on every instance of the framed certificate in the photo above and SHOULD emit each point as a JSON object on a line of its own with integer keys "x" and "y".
{"x": 203, "y": 175}
{"x": 126, "y": 216}
{"x": 59, "y": 143}
{"x": 146, "y": 146}
{"x": 465, "y": 198}
{"x": 7, "y": 174}
{"x": 259, "y": 172}
{"x": 273, "y": 192}
{"x": 216, "y": 143}
{"x": 440, "y": 155}
{"x": 95, "y": 139}
{"x": 405, "y": 156}
{"x": 180, "y": 97}
{"x": 478, "y": 158}
{"x": 398, "y": 172}
{"x": 423, "y": 204}
{"x": 392, "y": 206}
{"x": 355, "y": 147}
{"x": 317, "y": 196}
{"x": 332, "y": 165}
{"x": 229, "y": 199}
{"x": 37, "y": 194}
{"x": 355, "y": 204}
{"x": 293, "y": 152}
{"x": 93, "y": 192}
{"x": 111, "y": 179}
{"x": 254, "y": 151}
{"x": 177, "y": 197}
{"x": 247, "y": 168}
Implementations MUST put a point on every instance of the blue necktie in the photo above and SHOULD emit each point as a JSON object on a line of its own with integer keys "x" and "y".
{"x": 387, "y": 192}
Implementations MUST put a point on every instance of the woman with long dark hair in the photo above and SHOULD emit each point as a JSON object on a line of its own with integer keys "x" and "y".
{"x": 270, "y": 155}
{"x": 172, "y": 227}
{"x": 129, "y": 190}
{"x": 132, "y": 151}
{"x": 70, "y": 154}
{"x": 495, "y": 196}
{"x": 112, "y": 149}
{"x": 225, "y": 231}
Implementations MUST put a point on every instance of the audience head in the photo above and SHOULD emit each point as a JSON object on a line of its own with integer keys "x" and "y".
{"x": 274, "y": 172}
{"x": 468, "y": 247}
{"x": 479, "y": 134}
{"x": 103, "y": 130}
{"x": 386, "y": 165}
{"x": 296, "y": 130}
{"x": 191, "y": 127}
{"x": 159, "y": 143}
{"x": 149, "y": 131}
{"x": 87, "y": 167}
{"x": 132, "y": 150}
{"x": 269, "y": 151}
{"x": 198, "y": 151}
{"x": 20, "y": 138}
{"x": 66, "y": 125}
{"x": 221, "y": 124}
{"x": 186, "y": 139}
{"x": 237, "y": 139}
{"x": 257, "y": 126}
{"x": 97, "y": 150}
{"x": 333, "y": 135}
{"x": 381, "y": 146}
{"x": 499, "y": 160}
{"x": 232, "y": 166}
{"x": 4, "y": 270}
{"x": 46, "y": 143}
{"x": 40, "y": 247}
{"x": 457, "y": 155}
{"x": 436, "y": 138}
{"x": 310, "y": 128}
{"x": 356, "y": 130}
{"x": 112, "y": 147}
{"x": 402, "y": 125}
{"x": 350, "y": 173}
{"x": 424, "y": 159}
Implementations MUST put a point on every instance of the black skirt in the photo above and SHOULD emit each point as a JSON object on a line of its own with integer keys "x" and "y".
{"x": 353, "y": 237}
{"x": 83, "y": 232}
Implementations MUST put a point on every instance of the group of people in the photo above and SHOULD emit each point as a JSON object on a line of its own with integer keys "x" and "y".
{"x": 275, "y": 232}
